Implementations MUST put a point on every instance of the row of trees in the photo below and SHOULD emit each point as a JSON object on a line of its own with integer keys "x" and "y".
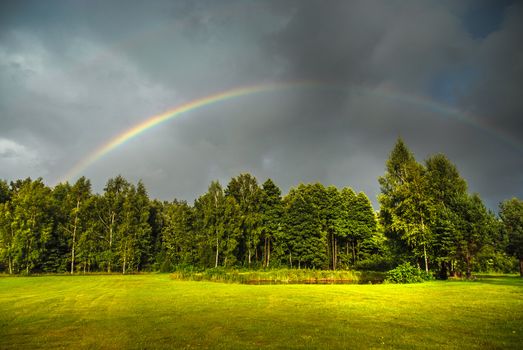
{"x": 426, "y": 217}
{"x": 69, "y": 228}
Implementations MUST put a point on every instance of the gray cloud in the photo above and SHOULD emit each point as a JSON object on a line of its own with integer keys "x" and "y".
{"x": 75, "y": 74}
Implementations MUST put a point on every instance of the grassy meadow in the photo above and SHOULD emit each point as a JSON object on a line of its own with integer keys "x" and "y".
{"x": 154, "y": 311}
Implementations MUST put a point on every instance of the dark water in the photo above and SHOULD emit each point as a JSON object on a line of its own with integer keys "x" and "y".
{"x": 257, "y": 282}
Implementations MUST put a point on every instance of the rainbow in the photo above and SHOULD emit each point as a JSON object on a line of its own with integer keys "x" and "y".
{"x": 155, "y": 120}
{"x": 173, "y": 113}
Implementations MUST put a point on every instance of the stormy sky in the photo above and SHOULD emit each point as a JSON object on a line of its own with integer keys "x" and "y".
{"x": 446, "y": 76}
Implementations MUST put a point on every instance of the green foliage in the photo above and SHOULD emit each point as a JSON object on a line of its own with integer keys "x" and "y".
{"x": 406, "y": 273}
{"x": 375, "y": 262}
{"x": 491, "y": 260}
{"x": 476, "y": 227}
{"x": 248, "y": 195}
{"x": 272, "y": 212}
{"x": 407, "y": 207}
{"x": 511, "y": 213}
{"x": 31, "y": 225}
{"x": 177, "y": 236}
{"x": 306, "y": 239}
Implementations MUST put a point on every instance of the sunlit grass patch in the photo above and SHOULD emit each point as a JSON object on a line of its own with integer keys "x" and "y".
{"x": 154, "y": 311}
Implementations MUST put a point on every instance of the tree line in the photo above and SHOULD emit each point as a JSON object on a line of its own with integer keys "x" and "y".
{"x": 426, "y": 217}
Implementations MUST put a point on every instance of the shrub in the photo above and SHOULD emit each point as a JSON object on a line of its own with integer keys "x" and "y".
{"x": 489, "y": 260}
{"x": 406, "y": 273}
{"x": 375, "y": 263}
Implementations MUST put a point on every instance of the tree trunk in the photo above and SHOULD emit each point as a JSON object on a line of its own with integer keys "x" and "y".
{"x": 264, "y": 263}
{"x": 28, "y": 249}
{"x": 467, "y": 260}
{"x": 216, "y": 262}
{"x": 268, "y": 251}
{"x": 425, "y": 257}
{"x": 443, "y": 271}
{"x": 74, "y": 234}
{"x": 424, "y": 245}
{"x": 521, "y": 267}
{"x": 249, "y": 257}
{"x": 335, "y": 252}
{"x": 353, "y": 252}
{"x": 124, "y": 262}
{"x": 332, "y": 252}
{"x": 10, "y": 265}
{"x": 110, "y": 242}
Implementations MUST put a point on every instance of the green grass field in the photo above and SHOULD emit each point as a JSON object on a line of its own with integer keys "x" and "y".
{"x": 154, "y": 311}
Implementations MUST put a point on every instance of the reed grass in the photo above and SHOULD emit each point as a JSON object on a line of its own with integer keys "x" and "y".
{"x": 280, "y": 276}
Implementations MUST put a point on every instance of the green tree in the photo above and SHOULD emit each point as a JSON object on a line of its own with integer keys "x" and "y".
{"x": 272, "y": 211}
{"x": 476, "y": 227}
{"x": 447, "y": 188}
{"x": 232, "y": 231}
{"x": 6, "y": 232}
{"x": 359, "y": 220}
{"x": 91, "y": 240}
{"x": 109, "y": 210}
{"x": 157, "y": 223}
{"x": 210, "y": 222}
{"x": 406, "y": 207}
{"x": 511, "y": 214}
{"x": 331, "y": 211}
{"x": 134, "y": 231}
{"x": 32, "y": 223}
{"x": 245, "y": 190}
{"x": 71, "y": 214}
{"x": 7, "y": 250}
{"x": 306, "y": 240}
{"x": 5, "y": 192}
{"x": 178, "y": 240}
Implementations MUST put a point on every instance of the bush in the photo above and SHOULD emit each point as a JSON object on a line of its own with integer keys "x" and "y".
{"x": 406, "y": 273}
{"x": 489, "y": 260}
{"x": 375, "y": 263}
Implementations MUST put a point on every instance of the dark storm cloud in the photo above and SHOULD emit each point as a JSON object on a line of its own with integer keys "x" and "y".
{"x": 424, "y": 49}
{"x": 73, "y": 74}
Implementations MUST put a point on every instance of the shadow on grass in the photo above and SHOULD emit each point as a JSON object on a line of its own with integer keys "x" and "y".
{"x": 501, "y": 280}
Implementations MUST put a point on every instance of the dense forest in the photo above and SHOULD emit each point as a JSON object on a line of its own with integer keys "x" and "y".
{"x": 427, "y": 217}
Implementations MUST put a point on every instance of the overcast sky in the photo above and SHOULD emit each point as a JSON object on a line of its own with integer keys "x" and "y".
{"x": 446, "y": 76}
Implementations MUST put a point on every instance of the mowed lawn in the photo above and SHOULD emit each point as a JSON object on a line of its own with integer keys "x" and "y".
{"x": 153, "y": 311}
